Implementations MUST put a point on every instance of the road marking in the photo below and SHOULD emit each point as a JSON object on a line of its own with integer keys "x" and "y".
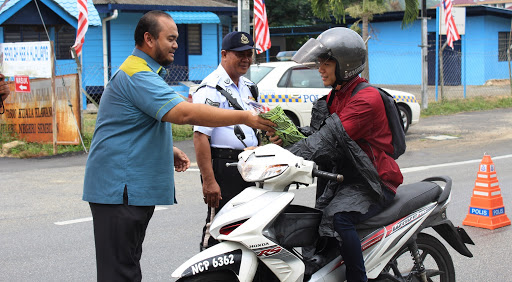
{"x": 404, "y": 170}
{"x": 85, "y": 219}
{"x": 420, "y": 168}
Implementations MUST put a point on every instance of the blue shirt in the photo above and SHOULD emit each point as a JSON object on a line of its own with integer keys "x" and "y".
{"x": 131, "y": 145}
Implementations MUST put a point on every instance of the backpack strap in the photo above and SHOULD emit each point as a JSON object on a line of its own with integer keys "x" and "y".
{"x": 359, "y": 87}
{"x": 395, "y": 123}
{"x": 230, "y": 98}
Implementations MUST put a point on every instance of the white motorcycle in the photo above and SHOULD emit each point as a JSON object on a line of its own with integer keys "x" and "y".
{"x": 261, "y": 232}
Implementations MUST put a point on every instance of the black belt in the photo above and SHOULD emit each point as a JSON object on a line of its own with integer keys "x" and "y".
{"x": 222, "y": 153}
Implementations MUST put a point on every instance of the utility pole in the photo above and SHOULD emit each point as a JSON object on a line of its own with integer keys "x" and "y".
{"x": 424, "y": 56}
{"x": 244, "y": 16}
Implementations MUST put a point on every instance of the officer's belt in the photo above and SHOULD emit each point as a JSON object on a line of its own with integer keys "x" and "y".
{"x": 222, "y": 153}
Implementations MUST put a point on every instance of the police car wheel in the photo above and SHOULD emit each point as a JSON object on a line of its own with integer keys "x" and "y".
{"x": 293, "y": 118}
{"x": 406, "y": 117}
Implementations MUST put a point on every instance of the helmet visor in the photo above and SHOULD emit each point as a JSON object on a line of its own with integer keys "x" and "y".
{"x": 311, "y": 54}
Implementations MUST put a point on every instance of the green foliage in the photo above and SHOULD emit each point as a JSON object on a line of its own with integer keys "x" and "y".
{"x": 31, "y": 150}
{"x": 185, "y": 132}
{"x": 410, "y": 12}
{"x": 289, "y": 12}
{"x": 6, "y": 137}
{"x": 447, "y": 107}
{"x": 364, "y": 9}
{"x": 182, "y": 132}
{"x": 324, "y": 9}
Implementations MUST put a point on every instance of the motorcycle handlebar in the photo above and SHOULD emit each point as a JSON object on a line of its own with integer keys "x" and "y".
{"x": 327, "y": 175}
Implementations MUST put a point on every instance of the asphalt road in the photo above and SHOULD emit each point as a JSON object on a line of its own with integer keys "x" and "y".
{"x": 46, "y": 232}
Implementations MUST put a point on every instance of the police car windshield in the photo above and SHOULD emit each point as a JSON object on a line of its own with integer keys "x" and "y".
{"x": 256, "y": 73}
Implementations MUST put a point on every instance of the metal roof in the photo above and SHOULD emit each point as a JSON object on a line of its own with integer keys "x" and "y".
{"x": 187, "y": 3}
{"x": 63, "y": 8}
{"x": 194, "y": 17}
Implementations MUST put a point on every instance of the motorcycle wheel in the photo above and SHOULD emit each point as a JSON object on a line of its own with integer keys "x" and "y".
{"x": 217, "y": 276}
{"x": 434, "y": 256}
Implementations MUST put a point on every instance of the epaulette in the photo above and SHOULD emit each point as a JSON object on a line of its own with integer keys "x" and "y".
{"x": 252, "y": 87}
{"x": 211, "y": 80}
{"x": 247, "y": 81}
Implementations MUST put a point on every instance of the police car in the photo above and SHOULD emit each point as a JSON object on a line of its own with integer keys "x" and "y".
{"x": 295, "y": 87}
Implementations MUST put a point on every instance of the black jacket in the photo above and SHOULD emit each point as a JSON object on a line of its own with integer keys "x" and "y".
{"x": 329, "y": 145}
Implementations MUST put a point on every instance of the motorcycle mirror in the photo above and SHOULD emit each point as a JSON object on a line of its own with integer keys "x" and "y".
{"x": 240, "y": 134}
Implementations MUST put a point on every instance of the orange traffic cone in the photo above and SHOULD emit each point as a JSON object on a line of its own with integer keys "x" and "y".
{"x": 486, "y": 209}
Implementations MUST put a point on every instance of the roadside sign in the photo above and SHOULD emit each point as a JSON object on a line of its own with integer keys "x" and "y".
{"x": 459, "y": 16}
{"x": 26, "y": 58}
{"x": 29, "y": 115}
{"x": 22, "y": 83}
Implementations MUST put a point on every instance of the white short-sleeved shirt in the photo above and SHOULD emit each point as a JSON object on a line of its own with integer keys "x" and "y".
{"x": 224, "y": 137}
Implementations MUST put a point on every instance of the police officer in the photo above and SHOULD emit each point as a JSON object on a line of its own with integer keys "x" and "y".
{"x": 224, "y": 88}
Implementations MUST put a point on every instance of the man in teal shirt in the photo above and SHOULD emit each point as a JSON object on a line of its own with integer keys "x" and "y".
{"x": 130, "y": 165}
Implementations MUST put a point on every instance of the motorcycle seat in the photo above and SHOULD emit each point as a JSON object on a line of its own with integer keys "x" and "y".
{"x": 408, "y": 198}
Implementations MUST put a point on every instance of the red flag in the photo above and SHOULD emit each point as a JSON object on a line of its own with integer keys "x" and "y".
{"x": 83, "y": 24}
{"x": 261, "y": 32}
{"x": 452, "y": 34}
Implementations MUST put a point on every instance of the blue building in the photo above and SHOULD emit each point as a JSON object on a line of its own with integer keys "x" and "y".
{"x": 109, "y": 39}
{"x": 395, "y": 53}
{"x": 479, "y": 56}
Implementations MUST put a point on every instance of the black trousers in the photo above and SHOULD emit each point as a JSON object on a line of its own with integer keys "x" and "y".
{"x": 231, "y": 184}
{"x": 119, "y": 231}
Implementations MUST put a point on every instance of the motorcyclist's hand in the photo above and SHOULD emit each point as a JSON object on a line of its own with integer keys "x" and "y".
{"x": 255, "y": 121}
{"x": 274, "y": 138}
{"x": 181, "y": 160}
{"x": 211, "y": 194}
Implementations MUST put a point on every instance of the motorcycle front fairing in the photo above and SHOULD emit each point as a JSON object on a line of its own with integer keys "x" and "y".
{"x": 223, "y": 256}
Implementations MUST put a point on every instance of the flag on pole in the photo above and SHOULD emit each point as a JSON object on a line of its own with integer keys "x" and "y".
{"x": 261, "y": 32}
{"x": 452, "y": 34}
{"x": 82, "y": 26}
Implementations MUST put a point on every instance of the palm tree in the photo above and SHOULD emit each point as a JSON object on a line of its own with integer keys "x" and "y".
{"x": 364, "y": 11}
{"x": 325, "y": 8}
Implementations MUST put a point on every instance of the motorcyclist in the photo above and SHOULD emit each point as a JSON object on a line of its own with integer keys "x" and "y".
{"x": 349, "y": 135}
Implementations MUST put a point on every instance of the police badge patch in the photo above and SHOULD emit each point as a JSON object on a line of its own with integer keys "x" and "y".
{"x": 212, "y": 103}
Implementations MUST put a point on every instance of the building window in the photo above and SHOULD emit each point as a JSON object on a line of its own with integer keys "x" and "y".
{"x": 194, "y": 39}
{"x": 225, "y": 30}
{"x": 64, "y": 39}
{"x": 503, "y": 45}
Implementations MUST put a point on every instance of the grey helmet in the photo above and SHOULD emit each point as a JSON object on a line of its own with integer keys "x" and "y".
{"x": 343, "y": 45}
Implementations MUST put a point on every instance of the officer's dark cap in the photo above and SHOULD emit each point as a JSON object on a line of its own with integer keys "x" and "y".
{"x": 237, "y": 41}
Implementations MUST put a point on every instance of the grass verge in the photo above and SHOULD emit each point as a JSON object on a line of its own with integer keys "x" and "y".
{"x": 184, "y": 132}
{"x": 467, "y": 105}
{"x": 32, "y": 150}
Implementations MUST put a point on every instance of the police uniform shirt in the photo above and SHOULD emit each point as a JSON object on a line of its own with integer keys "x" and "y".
{"x": 224, "y": 137}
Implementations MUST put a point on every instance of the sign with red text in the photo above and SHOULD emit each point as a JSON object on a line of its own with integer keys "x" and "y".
{"x": 22, "y": 83}
{"x": 29, "y": 115}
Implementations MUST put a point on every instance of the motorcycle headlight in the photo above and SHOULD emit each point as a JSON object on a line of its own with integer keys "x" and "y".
{"x": 259, "y": 168}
